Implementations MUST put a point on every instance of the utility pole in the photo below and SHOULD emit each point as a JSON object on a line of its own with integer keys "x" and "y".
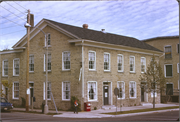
{"x": 27, "y": 64}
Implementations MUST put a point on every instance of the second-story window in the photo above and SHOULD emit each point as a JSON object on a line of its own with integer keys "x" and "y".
{"x": 132, "y": 64}
{"x": 49, "y": 62}
{"x": 168, "y": 70}
{"x": 168, "y": 52}
{"x": 92, "y": 60}
{"x": 5, "y": 68}
{"x": 31, "y": 63}
{"x": 143, "y": 64}
{"x": 106, "y": 62}
{"x": 16, "y": 67}
{"x": 66, "y": 60}
{"x": 49, "y": 39}
{"x": 120, "y": 62}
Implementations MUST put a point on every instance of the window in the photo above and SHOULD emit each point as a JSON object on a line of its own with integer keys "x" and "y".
{"x": 169, "y": 89}
{"x": 132, "y": 89}
{"x": 66, "y": 60}
{"x": 132, "y": 64}
{"x": 178, "y": 48}
{"x": 5, "y": 68}
{"x": 92, "y": 60}
{"x": 121, "y": 87}
{"x": 49, "y": 62}
{"x": 168, "y": 52}
{"x": 120, "y": 62}
{"x": 31, "y": 63}
{"x": 177, "y": 67}
{"x": 16, "y": 67}
{"x": 106, "y": 62}
{"x": 16, "y": 90}
{"x": 168, "y": 70}
{"x": 48, "y": 90}
{"x": 92, "y": 93}
{"x": 49, "y": 39}
{"x": 65, "y": 90}
{"x": 143, "y": 64}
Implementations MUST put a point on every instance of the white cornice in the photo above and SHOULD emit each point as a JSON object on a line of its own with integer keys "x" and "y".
{"x": 11, "y": 51}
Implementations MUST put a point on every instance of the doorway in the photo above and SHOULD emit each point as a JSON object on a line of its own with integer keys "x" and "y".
{"x": 142, "y": 94}
{"x": 31, "y": 87}
{"x": 106, "y": 95}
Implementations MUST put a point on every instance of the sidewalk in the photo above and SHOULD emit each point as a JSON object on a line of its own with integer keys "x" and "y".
{"x": 97, "y": 113}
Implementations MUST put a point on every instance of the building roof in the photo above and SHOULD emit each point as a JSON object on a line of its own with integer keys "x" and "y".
{"x": 161, "y": 37}
{"x": 104, "y": 37}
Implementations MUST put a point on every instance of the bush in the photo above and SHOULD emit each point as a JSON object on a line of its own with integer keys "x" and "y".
{"x": 95, "y": 108}
{"x": 73, "y": 98}
{"x": 23, "y": 104}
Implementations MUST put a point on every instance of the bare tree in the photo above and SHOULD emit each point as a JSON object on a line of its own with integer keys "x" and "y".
{"x": 154, "y": 78}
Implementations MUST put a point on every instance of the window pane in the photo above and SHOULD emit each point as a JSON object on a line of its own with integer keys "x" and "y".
{"x": 168, "y": 70}
{"x": 168, "y": 52}
{"x": 66, "y": 60}
{"x": 66, "y": 90}
{"x": 106, "y": 62}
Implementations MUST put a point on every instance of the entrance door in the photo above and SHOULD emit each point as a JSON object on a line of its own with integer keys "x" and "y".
{"x": 106, "y": 95}
{"x": 31, "y": 86}
{"x": 169, "y": 89}
{"x": 142, "y": 94}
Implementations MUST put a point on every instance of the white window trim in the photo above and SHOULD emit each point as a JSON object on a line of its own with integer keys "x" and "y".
{"x": 3, "y": 67}
{"x": 13, "y": 67}
{"x": 109, "y": 61}
{"x": 165, "y": 71}
{"x": 44, "y": 91}
{"x": 145, "y": 65}
{"x": 96, "y": 92}
{"x": 178, "y": 84}
{"x": 63, "y": 92}
{"x": 94, "y": 61}
{"x": 177, "y": 68}
{"x": 63, "y": 61}
{"x": 122, "y": 63}
{"x": 130, "y": 63}
{"x": 45, "y": 64}
{"x": 13, "y": 91}
{"x": 124, "y": 89}
{"x": 29, "y": 67}
{"x": 135, "y": 90}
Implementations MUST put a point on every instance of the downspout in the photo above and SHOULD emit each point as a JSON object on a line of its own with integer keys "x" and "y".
{"x": 82, "y": 69}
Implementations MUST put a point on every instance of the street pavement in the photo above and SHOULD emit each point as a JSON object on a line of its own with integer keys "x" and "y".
{"x": 97, "y": 113}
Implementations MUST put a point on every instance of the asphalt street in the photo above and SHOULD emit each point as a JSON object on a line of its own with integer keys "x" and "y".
{"x": 156, "y": 116}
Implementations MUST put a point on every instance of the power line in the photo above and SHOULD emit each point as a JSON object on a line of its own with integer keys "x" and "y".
{"x": 12, "y": 32}
{"x": 7, "y": 27}
{"x": 20, "y": 5}
{"x": 11, "y": 21}
{"x": 12, "y": 13}
{"x": 14, "y": 7}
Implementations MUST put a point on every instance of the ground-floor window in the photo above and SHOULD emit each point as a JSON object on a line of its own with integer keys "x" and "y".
{"x": 121, "y": 87}
{"x": 16, "y": 90}
{"x": 65, "y": 90}
{"x": 48, "y": 90}
{"x": 132, "y": 89}
{"x": 92, "y": 90}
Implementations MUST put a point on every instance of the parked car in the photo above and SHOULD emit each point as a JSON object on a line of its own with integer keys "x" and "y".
{"x": 5, "y": 105}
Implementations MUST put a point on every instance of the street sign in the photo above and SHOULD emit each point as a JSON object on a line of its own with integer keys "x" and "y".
{"x": 116, "y": 91}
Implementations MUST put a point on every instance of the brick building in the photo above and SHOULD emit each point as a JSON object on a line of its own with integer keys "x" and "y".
{"x": 169, "y": 62}
{"x": 82, "y": 62}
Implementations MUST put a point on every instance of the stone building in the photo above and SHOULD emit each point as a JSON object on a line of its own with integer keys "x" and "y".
{"x": 85, "y": 63}
{"x": 169, "y": 62}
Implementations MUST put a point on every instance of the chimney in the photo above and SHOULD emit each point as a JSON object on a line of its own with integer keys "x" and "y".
{"x": 85, "y": 26}
{"x": 31, "y": 21}
{"x": 103, "y": 30}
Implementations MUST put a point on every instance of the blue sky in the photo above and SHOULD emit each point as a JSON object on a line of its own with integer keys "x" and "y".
{"x": 141, "y": 19}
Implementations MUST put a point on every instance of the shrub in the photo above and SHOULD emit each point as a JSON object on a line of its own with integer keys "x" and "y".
{"x": 73, "y": 98}
{"x": 95, "y": 108}
{"x": 23, "y": 104}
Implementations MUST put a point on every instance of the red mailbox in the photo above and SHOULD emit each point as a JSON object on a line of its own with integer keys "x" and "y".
{"x": 87, "y": 106}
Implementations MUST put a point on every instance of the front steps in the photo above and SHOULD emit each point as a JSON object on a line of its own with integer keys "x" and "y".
{"x": 145, "y": 104}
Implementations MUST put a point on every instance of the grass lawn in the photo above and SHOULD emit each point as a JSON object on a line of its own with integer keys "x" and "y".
{"x": 141, "y": 110}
